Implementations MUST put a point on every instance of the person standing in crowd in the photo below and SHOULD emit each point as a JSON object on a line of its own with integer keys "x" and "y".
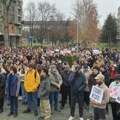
{"x": 99, "y": 108}
{"x": 106, "y": 74}
{"x": 95, "y": 72}
{"x": 91, "y": 82}
{"x": 106, "y": 81}
{"x": 78, "y": 83}
{"x": 65, "y": 88}
{"x": 24, "y": 94}
{"x": 114, "y": 105}
{"x": 31, "y": 84}
{"x": 87, "y": 72}
{"x": 118, "y": 66}
{"x": 2, "y": 89}
{"x": 56, "y": 82}
{"x": 113, "y": 72}
{"x": 13, "y": 91}
{"x": 43, "y": 94}
{"x": 100, "y": 61}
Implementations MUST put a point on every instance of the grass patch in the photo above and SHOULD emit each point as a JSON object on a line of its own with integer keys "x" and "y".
{"x": 103, "y": 45}
{"x": 34, "y": 45}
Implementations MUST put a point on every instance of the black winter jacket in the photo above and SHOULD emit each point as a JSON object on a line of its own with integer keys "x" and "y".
{"x": 78, "y": 83}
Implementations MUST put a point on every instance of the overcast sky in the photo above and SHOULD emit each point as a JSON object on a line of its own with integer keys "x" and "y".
{"x": 104, "y": 7}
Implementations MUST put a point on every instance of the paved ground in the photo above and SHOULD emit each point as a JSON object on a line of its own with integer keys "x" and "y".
{"x": 63, "y": 115}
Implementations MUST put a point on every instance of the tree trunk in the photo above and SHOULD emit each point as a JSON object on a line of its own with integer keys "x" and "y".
{"x": 6, "y": 28}
{"x": 52, "y": 43}
{"x": 41, "y": 43}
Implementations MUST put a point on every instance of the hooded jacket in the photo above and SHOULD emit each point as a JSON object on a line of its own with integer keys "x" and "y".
{"x": 78, "y": 83}
{"x": 55, "y": 81}
{"x": 31, "y": 83}
{"x": 44, "y": 89}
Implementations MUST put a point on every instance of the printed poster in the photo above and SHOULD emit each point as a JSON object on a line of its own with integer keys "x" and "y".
{"x": 96, "y": 94}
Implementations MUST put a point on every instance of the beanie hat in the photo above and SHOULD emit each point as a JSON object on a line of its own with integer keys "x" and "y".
{"x": 117, "y": 77}
{"x": 53, "y": 67}
{"x": 96, "y": 67}
{"x": 67, "y": 67}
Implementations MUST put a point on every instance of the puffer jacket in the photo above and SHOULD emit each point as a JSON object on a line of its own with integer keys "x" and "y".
{"x": 78, "y": 83}
{"x": 31, "y": 83}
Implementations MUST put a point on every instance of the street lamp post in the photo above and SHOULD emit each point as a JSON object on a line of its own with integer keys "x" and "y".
{"x": 77, "y": 35}
{"x": 78, "y": 27}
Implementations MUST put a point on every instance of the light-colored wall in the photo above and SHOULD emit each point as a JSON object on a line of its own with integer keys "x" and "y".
{"x": 15, "y": 8}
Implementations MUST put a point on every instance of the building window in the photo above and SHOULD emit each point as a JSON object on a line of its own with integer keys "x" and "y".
{"x": 19, "y": 4}
{"x": 19, "y": 19}
{"x": 12, "y": 18}
{"x": 19, "y": 30}
{"x": 19, "y": 12}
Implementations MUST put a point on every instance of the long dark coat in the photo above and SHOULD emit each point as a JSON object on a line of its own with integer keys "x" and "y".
{"x": 2, "y": 85}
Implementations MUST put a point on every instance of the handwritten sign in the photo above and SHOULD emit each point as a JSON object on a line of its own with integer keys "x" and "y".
{"x": 96, "y": 94}
{"x": 114, "y": 90}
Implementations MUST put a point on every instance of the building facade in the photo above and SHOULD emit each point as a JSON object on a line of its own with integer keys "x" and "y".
{"x": 15, "y": 22}
{"x": 118, "y": 24}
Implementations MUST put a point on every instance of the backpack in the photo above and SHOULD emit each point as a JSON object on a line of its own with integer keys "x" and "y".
{"x": 35, "y": 74}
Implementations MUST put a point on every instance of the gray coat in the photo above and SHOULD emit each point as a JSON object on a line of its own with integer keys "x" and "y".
{"x": 44, "y": 89}
{"x": 55, "y": 81}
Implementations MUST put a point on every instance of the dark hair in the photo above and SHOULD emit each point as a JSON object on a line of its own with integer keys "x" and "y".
{"x": 31, "y": 66}
{"x": 14, "y": 69}
{"x": 97, "y": 68}
{"x": 38, "y": 67}
{"x": 103, "y": 66}
{"x": 45, "y": 70}
{"x": 23, "y": 70}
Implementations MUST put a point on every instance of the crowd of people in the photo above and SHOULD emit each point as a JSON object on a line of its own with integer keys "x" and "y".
{"x": 45, "y": 76}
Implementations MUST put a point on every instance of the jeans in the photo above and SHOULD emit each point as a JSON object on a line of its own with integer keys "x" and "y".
{"x": 91, "y": 109}
{"x": 86, "y": 97}
{"x": 1, "y": 103}
{"x": 54, "y": 98}
{"x": 99, "y": 114}
{"x": 114, "y": 111}
{"x": 80, "y": 100}
{"x": 24, "y": 94}
{"x": 32, "y": 96}
{"x": 13, "y": 104}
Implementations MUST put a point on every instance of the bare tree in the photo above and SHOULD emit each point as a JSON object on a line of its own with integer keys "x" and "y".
{"x": 31, "y": 17}
{"x": 58, "y": 29}
{"x": 85, "y": 13}
{"x": 6, "y": 6}
{"x": 46, "y": 14}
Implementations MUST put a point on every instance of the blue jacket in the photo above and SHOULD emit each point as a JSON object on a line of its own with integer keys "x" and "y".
{"x": 78, "y": 83}
{"x": 13, "y": 84}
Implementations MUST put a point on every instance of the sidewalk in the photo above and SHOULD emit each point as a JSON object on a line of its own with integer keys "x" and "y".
{"x": 63, "y": 115}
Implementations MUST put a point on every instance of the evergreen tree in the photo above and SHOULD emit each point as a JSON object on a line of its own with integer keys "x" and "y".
{"x": 109, "y": 30}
